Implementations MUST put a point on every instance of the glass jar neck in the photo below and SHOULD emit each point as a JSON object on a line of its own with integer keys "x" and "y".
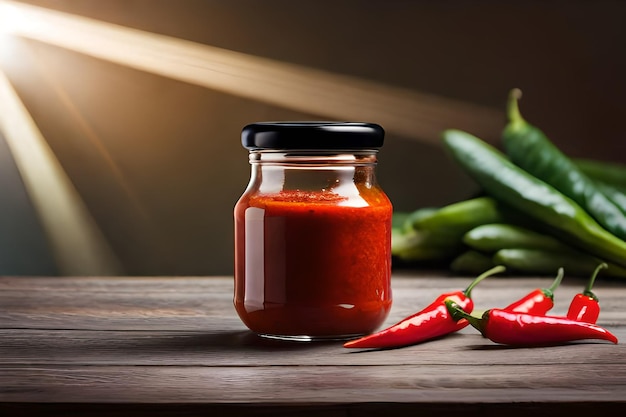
{"x": 341, "y": 173}
{"x": 316, "y": 158}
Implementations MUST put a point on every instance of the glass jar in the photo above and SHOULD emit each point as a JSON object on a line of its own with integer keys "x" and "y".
{"x": 313, "y": 232}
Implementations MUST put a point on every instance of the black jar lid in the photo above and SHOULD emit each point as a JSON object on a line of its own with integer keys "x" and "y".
{"x": 312, "y": 135}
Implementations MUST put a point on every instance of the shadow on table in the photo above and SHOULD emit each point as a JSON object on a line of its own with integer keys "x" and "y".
{"x": 241, "y": 340}
{"x": 247, "y": 340}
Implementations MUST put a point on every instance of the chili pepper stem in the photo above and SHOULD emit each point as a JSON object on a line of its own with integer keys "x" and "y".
{"x": 458, "y": 313}
{"x": 557, "y": 281}
{"x": 513, "y": 112}
{"x": 587, "y": 290}
{"x": 495, "y": 270}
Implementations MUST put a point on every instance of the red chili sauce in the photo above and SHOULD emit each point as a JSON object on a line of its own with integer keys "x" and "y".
{"x": 313, "y": 263}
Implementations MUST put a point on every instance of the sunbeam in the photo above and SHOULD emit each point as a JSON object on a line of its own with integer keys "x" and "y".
{"x": 77, "y": 243}
{"x": 405, "y": 112}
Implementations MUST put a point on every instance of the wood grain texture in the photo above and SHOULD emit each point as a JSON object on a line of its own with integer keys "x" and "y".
{"x": 175, "y": 345}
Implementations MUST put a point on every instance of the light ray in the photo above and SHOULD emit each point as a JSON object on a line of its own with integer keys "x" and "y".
{"x": 405, "y": 112}
{"x": 89, "y": 134}
{"x": 142, "y": 220}
{"x": 76, "y": 241}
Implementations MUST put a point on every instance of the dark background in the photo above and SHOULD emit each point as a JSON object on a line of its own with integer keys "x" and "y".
{"x": 167, "y": 207}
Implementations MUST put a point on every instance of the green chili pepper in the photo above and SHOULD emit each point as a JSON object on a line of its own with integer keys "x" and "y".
{"x": 534, "y": 261}
{"x": 529, "y": 148}
{"x": 517, "y": 188}
{"x": 436, "y": 234}
{"x": 614, "y": 193}
{"x": 463, "y": 215}
{"x": 610, "y": 173}
{"x": 419, "y": 245}
{"x": 471, "y": 262}
{"x": 398, "y": 219}
{"x": 496, "y": 236}
{"x": 417, "y": 215}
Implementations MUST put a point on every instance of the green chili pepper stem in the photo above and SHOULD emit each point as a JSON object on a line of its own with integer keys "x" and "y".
{"x": 557, "y": 281}
{"x": 458, "y": 313}
{"x": 587, "y": 290}
{"x": 495, "y": 270}
{"x": 513, "y": 112}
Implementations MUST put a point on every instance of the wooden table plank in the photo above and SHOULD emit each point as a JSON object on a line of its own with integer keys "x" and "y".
{"x": 126, "y": 344}
{"x": 206, "y": 303}
{"x": 316, "y": 384}
{"x": 241, "y": 348}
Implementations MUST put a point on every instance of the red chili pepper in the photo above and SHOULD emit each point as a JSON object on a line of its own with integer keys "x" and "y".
{"x": 585, "y": 306}
{"x": 523, "y": 329}
{"x": 431, "y": 322}
{"x": 539, "y": 301}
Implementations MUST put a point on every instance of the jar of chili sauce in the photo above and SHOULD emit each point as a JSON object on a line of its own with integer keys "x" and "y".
{"x": 313, "y": 232}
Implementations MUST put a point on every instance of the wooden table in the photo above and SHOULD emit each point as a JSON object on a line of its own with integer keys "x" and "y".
{"x": 174, "y": 346}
